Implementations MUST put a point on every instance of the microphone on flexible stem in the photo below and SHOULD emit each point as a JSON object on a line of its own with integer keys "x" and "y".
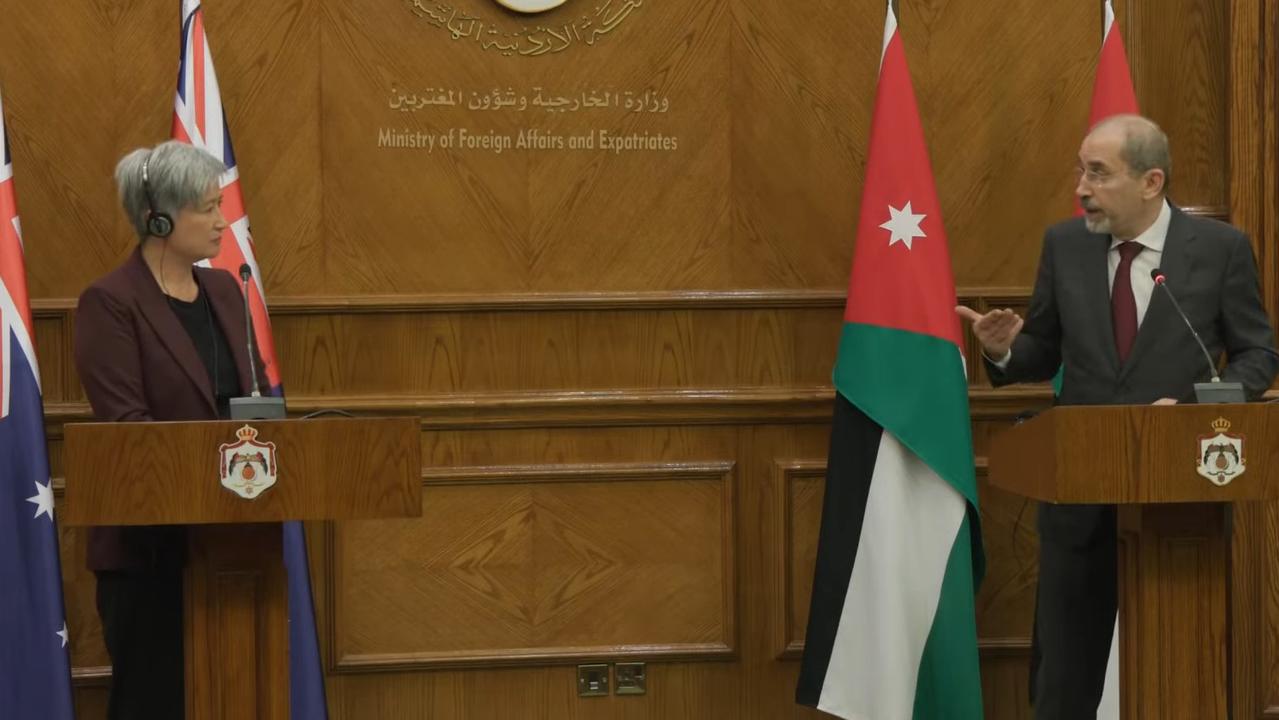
{"x": 245, "y": 273}
{"x": 1209, "y": 392}
{"x": 255, "y": 406}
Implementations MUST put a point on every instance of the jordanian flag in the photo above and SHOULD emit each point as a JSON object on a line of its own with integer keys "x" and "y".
{"x": 891, "y": 631}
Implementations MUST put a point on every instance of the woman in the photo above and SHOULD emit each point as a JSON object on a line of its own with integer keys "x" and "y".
{"x": 158, "y": 339}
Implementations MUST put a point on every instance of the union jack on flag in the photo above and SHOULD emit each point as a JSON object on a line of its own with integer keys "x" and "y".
{"x": 198, "y": 118}
{"x": 35, "y": 670}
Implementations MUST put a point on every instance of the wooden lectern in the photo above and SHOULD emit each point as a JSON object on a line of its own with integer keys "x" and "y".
{"x": 216, "y": 478}
{"x": 1173, "y": 471}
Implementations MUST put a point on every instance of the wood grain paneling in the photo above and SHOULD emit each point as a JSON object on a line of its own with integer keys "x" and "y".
{"x": 526, "y": 219}
{"x": 1172, "y": 568}
{"x": 800, "y": 485}
{"x": 510, "y": 565}
{"x": 328, "y": 468}
{"x": 569, "y": 308}
{"x": 1254, "y": 200}
{"x": 1180, "y": 55}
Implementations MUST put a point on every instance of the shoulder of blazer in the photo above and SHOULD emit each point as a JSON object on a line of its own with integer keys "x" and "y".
{"x": 1068, "y": 228}
{"x": 218, "y": 281}
{"x": 122, "y": 284}
{"x": 1070, "y": 233}
{"x": 1203, "y": 227}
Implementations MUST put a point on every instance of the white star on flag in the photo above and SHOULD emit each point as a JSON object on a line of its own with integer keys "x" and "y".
{"x": 903, "y": 225}
{"x": 63, "y": 633}
{"x": 43, "y": 500}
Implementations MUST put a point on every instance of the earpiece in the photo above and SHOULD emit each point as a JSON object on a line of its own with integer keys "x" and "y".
{"x": 158, "y": 224}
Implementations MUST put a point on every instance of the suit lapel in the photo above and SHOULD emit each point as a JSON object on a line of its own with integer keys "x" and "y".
{"x": 1097, "y": 274}
{"x": 228, "y": 313}
{"x": 168, "y": 328}
{"x": 1174, "y": 263}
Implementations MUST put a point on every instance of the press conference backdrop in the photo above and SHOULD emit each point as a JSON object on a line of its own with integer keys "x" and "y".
{"x": 602, "y": 251}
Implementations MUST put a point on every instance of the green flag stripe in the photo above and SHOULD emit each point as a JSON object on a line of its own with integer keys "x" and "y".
{"x": 949, "y": 686}
{"x": 915, "y": 387}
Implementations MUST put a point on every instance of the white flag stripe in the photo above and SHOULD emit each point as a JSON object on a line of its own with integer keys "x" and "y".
{"x": 1108, "y": 709}
{"x": 214, "y": 134}
{"x": 1109, "y": 22}
{"x": 912, "y": 519}
{"x": 890, "y": 28}
{"x": 11, "y": 322}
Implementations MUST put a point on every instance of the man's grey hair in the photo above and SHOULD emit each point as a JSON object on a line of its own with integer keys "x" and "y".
{"x": 178, "y": 176}
{"x": 1145, "y": 145}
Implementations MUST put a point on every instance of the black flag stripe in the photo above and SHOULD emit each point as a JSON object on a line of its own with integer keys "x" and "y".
{"x": 854, "y": 448}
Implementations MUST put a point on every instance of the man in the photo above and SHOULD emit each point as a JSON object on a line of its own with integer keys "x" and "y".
{"x": 1095, "y": 312}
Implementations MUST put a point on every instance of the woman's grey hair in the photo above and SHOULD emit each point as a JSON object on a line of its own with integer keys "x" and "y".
{"x": 178, "y": 176}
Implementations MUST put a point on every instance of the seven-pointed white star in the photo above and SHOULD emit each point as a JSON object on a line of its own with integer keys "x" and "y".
{"x": 63, "y": 633}
{"x": 903, "y": 225}
{"x": 43, "y": 500}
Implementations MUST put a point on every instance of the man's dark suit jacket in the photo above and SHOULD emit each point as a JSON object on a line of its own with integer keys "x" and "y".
{"x": 137, "y": 363}
{"x": 1210, "y": 270}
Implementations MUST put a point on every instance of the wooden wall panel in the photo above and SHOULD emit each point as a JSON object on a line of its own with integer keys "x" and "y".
{"x": 550, "y": 309}
{"x": 1003, "y": 124}
{"x": 522, "y": 220}
{"x": 542, "y": 563}
{"x": 268, "y": 59}
{"x": 1254, "y": 204}
{"x": 373, "y": 576}
{"x": 437, "y": 354}
{"x": 88, "y": 653}
{"x": 800, "y": 489}
{"x": 1180, "y": 57}
{"x": 792, "y": 155}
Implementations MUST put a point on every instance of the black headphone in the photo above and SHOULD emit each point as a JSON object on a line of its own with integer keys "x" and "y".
{"x": 158, "y": 224}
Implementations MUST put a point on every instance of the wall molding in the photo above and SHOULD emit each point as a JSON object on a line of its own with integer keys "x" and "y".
{"x": 761, "y": 299}
{"x": 593, "y": 408}
{"x": 787, "y": 642}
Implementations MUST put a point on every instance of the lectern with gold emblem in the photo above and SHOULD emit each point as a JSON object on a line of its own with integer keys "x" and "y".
{"x": 233, "y": 483}
{"x": 1174, "y": 472}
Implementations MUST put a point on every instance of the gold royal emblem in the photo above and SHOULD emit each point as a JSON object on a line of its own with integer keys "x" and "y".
{"x": 247, "y": 467}
{"x": 1220, "y": 456}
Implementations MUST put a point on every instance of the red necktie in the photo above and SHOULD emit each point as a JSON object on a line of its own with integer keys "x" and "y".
{"x": 1123, "y": 306}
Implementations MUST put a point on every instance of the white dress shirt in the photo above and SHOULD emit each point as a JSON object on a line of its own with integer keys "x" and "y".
{"x": 1148, "y": 259}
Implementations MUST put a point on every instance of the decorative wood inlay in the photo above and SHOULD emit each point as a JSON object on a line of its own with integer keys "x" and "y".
{"x": 541, "y": 564}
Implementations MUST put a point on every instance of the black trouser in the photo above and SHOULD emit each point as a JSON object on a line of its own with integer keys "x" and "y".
{"x": 1075, "y": 607}
{"x": 141, "y": 616}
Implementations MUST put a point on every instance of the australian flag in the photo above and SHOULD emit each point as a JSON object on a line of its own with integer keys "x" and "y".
{"x": 198, "y": 118}
{"x": 35, "y": 669}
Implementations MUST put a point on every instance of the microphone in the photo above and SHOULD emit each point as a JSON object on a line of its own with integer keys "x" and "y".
{"x": 245, "y": 273}
{"x": 1211, "y": 392}
{"x": 254, "y": 407}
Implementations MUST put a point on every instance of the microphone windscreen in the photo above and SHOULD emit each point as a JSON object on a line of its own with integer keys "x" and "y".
{"x": 245, "y": 271}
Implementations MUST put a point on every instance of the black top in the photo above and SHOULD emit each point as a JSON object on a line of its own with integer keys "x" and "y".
{"x": 211, "y": 344}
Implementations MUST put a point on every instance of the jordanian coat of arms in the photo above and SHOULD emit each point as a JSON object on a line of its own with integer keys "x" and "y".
{"x": 247, "y": 467}
{"x": 1221, "y": 457}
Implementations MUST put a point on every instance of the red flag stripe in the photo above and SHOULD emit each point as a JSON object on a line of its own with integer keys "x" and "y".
{"x": 895, "y": 284}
